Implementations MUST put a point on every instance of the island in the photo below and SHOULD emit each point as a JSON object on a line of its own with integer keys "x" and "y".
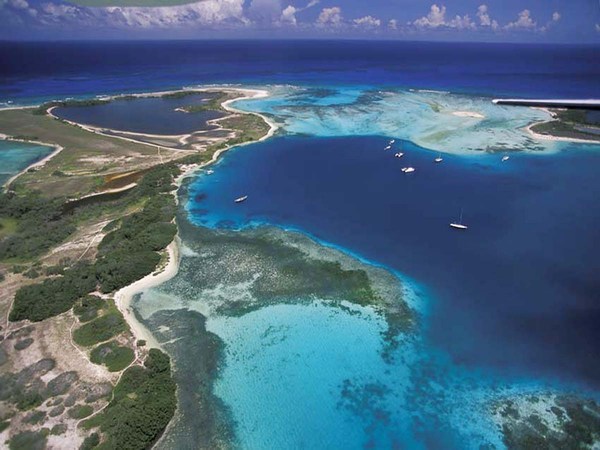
{"x": 78, "y": 227}
{"x": 101, "y": 218}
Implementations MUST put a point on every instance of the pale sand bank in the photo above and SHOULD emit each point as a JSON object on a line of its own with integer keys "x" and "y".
{"x": 470, "y": 114}
{"x": 124, "y": 296}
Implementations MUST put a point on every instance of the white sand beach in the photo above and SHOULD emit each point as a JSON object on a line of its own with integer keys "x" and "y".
{"x": 124, "y": 296}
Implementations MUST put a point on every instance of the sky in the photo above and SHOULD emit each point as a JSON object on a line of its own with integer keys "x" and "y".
{"x": 561, "y": 21}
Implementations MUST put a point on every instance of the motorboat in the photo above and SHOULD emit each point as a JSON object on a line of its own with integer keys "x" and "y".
{"x": 459, "y": 225}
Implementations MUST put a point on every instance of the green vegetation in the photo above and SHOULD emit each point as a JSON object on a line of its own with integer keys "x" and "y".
{"x": 36, "y": 225}
{"x": 213, "y": 104}
{"x": 58, "y": 429}
{"x": 87, "y": 309}
{"x": 35, "y": 417}
{"x": 4, "y": 425}
{"x": 41, "y": 110}
{"x": 113, "y": 356}
{"x": 130, "y": 252}
{"x": 80, "y": 411}
{"x": 126, "y": 254}
{"x": 252, "y": 127}
{"x": 570, "y": 123}
{"x": 8, "y": 226}
{"x": 142, "y": 406}
{"x": 53, "y": 296}
{"x": 28, "y": 399}
{"x": 29, "y": 440}
{"x": 90, "y": 442}
{"x": 101, "y": 329}
{"x": 180, "y": 94}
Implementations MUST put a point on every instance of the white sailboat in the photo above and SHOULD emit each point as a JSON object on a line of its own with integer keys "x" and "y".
{"x": 399, "y": 155}
{"x": 505, "y": 158}
{"x": 408, "y": 169}
{"x": 392, "y": 141}
{"x": 438, "y": 159}
{"x": 459, "y": 225}
{"x": 388, "y": 147}
{"x": 210, "y": 172}
{"x": 241, "y": 199}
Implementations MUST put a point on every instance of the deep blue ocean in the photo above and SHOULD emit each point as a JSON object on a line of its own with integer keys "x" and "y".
{"x": 514, "y": 301}
{"x": 518, "y": 292}
{"x": 32, "y": 71}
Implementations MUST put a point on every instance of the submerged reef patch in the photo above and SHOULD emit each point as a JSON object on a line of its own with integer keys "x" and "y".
{"x": 440, "y": 121}
{"x": 548, "y": 421}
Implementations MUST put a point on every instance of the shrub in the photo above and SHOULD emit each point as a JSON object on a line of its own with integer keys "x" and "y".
{"x": 28, "y": 440}
{"x": 87, "y": 308}
{"x": 143, "y": 404}
{"x": 100, "y": 329}
{"x": 90, "y": 442}
{"x": 53, "y": 296}
{"x": 80, "y": 411}
{"x": 113, "y": 356}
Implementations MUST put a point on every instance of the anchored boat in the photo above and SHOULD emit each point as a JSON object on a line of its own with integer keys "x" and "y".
{"x": 241, "y": 199}
{"x": 459, "y": 225}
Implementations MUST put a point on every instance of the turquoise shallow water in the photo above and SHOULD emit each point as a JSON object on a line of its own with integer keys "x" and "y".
{"x": 15, "y": 156}
{"x": 441, "y": 403}
{"x": 506, "y": 316}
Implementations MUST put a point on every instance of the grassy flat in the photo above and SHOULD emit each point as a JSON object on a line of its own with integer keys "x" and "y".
{"x": 87, "y": 157}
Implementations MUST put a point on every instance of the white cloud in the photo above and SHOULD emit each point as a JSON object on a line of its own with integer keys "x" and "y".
{"x": 524, "y": 21}
{"x": 367, "y": 22}
{"x": 288, "y": 15}
{"x": 330, "y": 17}
{"x": 393, "y": 24}
{"x": 203, "y": 13}
{"x": 597, "y": 27}
{"x": 435, "y": 18}
{"x": 462, "y": 23}
{"x": 555, "y": 16}
{"x": 484, "y": 18}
